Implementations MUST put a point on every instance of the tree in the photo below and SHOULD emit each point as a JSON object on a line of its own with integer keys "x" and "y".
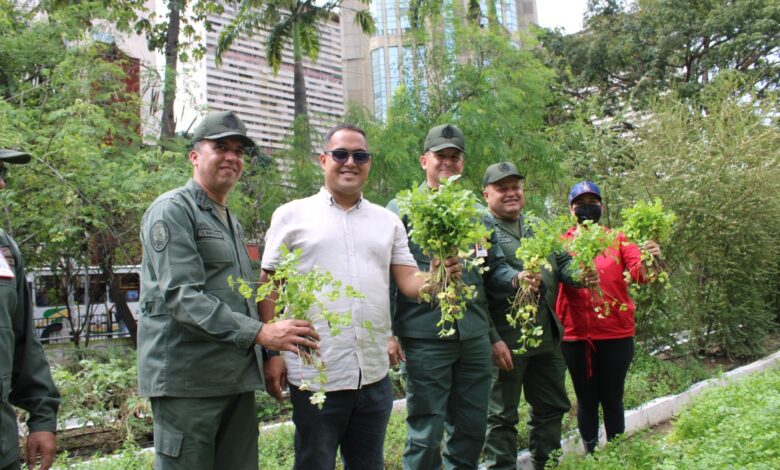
{"x": 631, "y": 51}
{"x": 166, "y": 36}
{"x": 490, "y": 86}
{"x": 718, "y": 170}
{"x": 291, "y": 22}
{"x": 80, "y": 200}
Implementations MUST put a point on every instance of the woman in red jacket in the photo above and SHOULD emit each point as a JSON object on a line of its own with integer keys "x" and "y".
{"x": 598, "y": 348}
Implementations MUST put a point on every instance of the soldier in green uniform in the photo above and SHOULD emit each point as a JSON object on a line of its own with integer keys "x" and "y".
{"x": 447, "y": 379}
{"x": 197, "y": 337}
{"x": 539, "y": 372}
{"x": 25, "y": 379}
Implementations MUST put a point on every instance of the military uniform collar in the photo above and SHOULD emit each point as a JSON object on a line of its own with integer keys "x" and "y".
{"x": 328, "y": 197}
{"x": 198, "y": 193}
{"x": 512, "y": 227}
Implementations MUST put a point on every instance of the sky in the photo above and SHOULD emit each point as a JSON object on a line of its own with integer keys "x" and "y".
{"x": 566, "y": 14}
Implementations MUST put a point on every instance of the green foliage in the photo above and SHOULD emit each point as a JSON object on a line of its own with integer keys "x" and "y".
{"x": 746, "y": 411}
{"x": 445, "y": 222}
{"x": 131, "y": 457}
{"x": 102, "y": 390}
{"x": 589, "y": 241}
{"x": 91, "y": 178}
{"x": 719, "y": 172}
{"x": 302, "y": 296}
{"x": 645, "y": 221}
{"x": 734, "y": 426}
{"x": 650, "y": 377}
{"x": 631, "y": 52}
{"x": 534, "y": 253}
{"x": 494, "y": 89}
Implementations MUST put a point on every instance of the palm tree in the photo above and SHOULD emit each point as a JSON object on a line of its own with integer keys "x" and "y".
{"x": 288, "y": 21}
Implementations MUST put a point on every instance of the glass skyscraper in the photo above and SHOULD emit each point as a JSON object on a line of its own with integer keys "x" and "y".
{"x": 377, "y": 65}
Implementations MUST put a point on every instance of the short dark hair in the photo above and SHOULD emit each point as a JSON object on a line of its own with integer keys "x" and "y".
{"x": 341, "y": 127}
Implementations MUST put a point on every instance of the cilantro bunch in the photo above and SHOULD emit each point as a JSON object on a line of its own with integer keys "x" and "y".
{"x": 645, "y": 221}
{"x": 534, "y": 253}
{"x": 589, "y": 241}
{"x": 445, "y": 222}
{"x": 302, "y": 296}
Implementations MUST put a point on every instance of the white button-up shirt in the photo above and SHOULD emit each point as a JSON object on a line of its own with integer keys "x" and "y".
{"x": 357, "y": 246}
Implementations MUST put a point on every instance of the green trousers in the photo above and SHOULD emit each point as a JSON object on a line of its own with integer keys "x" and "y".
{"x": 12, "y": 466}
{"x": 541, "y": 377}
{"x": 205, "y": 433}
{"x": 447, "y": 386}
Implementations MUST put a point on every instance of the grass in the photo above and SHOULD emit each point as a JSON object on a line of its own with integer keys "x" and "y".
{"x": 735, "y": 426}
{"x": 648, "y": 378}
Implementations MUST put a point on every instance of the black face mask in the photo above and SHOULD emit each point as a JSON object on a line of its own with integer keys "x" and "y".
{"x": 590, "y": 212}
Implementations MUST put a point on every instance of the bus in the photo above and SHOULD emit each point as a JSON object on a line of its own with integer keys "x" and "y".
{"x": 84, "y": 290}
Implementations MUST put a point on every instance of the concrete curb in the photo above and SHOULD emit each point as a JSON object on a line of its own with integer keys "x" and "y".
{"x": 661, "y": 409}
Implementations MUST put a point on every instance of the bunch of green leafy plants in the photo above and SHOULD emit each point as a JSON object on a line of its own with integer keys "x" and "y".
{"x": 734, "y": 426}
{"x": 445, "y": 222}
{"x": 302, "y": 296}
{"x": 534, "y": 253}
{"x": 649, "y": 221}
{"x": 102, "y": 391}
{"x": 591, "y": 240}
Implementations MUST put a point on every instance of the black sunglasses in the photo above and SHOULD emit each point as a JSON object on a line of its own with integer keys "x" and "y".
{"x": 360, "y": 157}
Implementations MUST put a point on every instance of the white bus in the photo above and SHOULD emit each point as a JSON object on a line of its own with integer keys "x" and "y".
{"x": 51, "y": 301}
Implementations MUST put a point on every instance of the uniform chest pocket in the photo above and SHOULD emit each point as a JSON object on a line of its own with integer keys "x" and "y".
{"x": 214, "y": 246}
{"x": 8, "y": 297}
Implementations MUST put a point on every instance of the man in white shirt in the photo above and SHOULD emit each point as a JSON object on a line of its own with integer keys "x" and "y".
{"x": 361, "y": 244}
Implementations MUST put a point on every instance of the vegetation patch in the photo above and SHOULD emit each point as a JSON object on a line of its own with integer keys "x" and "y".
{"x": 734, "y": 426}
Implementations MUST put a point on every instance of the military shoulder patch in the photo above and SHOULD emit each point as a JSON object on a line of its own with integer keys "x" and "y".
{"x": 160, "y": 235}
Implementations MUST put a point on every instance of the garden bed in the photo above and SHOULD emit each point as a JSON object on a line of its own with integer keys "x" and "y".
{"x": 649, "y": 378}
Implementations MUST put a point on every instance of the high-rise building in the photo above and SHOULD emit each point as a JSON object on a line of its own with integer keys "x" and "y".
{"x": 246, "y": 84}
{"x": 374, "y": 66}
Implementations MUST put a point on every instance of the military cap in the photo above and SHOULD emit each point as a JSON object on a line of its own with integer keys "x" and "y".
{"x": 584, "y": 187}
{"x": 444, "y": 136}
{"x": 499, "y": 171}
{"x": 14, "y": 156}
{"x": 220, "y": 124}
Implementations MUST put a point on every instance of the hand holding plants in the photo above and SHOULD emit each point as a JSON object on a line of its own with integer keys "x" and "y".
{"x": 445, "y": 223}
{"x": 299, "y": 299}
{"x": 288, "y": 335}
{"x": 646, "y": 225}
{"x": 533, "y": 253}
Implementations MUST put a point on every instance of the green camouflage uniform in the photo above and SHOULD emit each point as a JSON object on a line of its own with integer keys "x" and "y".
{"x": 197, "y": 357}
{"x": 539, "y": 373}
{"x": 25, "y": 379}
{"x": 448, "y": 379}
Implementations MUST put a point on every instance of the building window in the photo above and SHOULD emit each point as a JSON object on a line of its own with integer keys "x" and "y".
{"x": 403, "y": 7}
{"x": 392, "y": 17}
{"x": 394, "y": 68}
{"x": 377, "y": 14}
{"x": 378, "y": 75}
{"x": 511, "y": 15}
